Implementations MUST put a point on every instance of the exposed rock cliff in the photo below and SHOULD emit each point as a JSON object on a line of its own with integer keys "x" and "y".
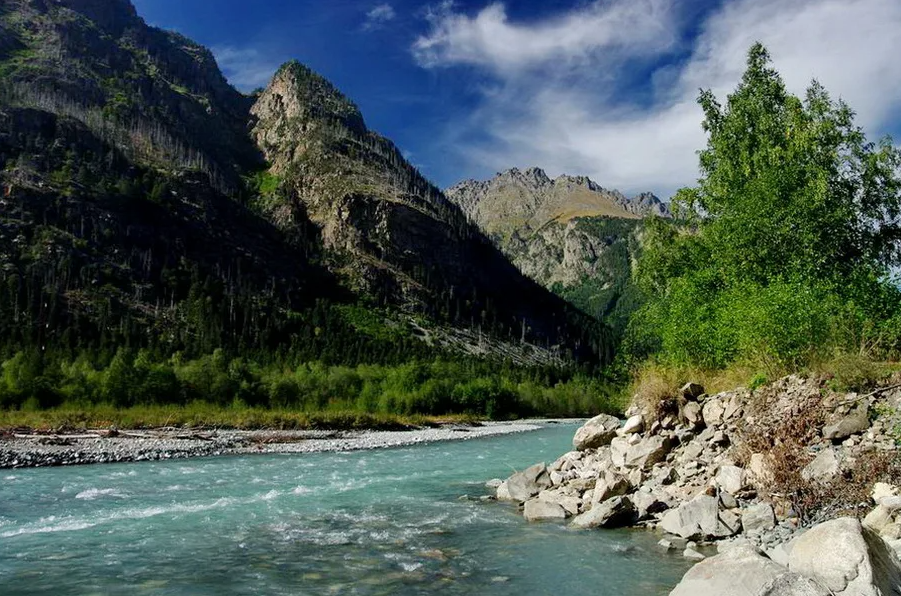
{"x": 569, "y": 234}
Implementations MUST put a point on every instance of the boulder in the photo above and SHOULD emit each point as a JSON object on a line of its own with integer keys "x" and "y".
{"x": 692, "y": 414}
{"x": 570, "y": 503}
{"x": 823, "y": 468}
{"x": 693, "y": 555}
{"x": 597, "y": 432}
{"x": 792, "y": 584}
{"x": 635, "y": 424}
{"x": 524, "y": 485}
{"x": 647, "y": 504}
{"x": 612, "y": 485}
{"x": 612, "y": 513}
{"x": 882, "y": 490}
{"x": 731, "y": 479}
{"x": 847, "y": 559}
{"x": 713, "y": 412}
{"x": 843, "y": 424}
{"x": 649, "y": 451}
{"x": 692, "y": 391}
{"x": 503, "y": 492}
{"x": 760, "y": 468}
{"x": 618, "y": 449}
{"x": 740, "y": 571}
{"x": 697, "y": 519}
{"x": 537, "y": 510}
{"x": 878, "y": 519}
{"x": 758, "y": 518}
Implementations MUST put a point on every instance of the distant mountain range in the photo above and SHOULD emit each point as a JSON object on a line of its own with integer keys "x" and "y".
{"x": 147, "y": 202}
{"x": 569, "y": 234}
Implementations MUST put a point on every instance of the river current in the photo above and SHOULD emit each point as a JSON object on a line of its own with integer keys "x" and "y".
{"x": 388, "y": 521}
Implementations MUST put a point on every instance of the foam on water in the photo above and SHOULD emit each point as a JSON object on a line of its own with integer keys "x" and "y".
{"x": 96, "y": 493}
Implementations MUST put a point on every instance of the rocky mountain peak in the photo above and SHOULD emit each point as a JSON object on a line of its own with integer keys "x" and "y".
{"x": 297, "y": 92}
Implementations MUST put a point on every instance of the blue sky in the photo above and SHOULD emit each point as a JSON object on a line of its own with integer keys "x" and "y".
{"x": 604, "y": 88}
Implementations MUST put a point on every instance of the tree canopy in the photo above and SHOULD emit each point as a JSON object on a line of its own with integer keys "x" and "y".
{"x": 785, "y": 245}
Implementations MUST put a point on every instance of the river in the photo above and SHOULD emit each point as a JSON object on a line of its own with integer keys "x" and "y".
{"x": 377, "y": 522}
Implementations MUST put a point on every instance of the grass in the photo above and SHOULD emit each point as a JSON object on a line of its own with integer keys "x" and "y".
{"x": 204, "y": 415}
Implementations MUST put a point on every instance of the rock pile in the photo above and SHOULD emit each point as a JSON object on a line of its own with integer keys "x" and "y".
{"x": 706, "y": 470}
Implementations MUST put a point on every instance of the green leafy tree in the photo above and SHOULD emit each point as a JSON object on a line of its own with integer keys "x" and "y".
{"x": 789, "y": 238}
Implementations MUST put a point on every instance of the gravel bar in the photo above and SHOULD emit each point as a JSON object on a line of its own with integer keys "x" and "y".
{"x": 95, "y": 447}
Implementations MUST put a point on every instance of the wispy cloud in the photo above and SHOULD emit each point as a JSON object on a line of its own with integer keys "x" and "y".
{"x": 379, "y": 16}
{"x": 245, "y": 68}
{"x": 554, "y": 99}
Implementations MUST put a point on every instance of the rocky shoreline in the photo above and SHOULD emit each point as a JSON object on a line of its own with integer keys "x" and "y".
{"x": 774, "y": 481}
{"x": 41, "y": 450}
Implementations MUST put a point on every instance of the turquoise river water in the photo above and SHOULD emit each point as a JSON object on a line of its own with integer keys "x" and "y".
{"x": 377, "y": 522}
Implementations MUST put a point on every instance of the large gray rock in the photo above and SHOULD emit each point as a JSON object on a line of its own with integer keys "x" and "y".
{"x": 843, "y": 424}
{"x": 537, "y": 510}
{"x": 649, "y": 451}
{"x": 740, "y": 571}
{"x": 697, "y": 519}
{"x": 597, "y": 432}
{"x": 692, "y": 391}
{"x": 792, "y": 584}
{"x": 692, "y": 414}
{"x": 633, "y": 425}
{"x": 524, "y": 485}
{"x": 713, "y": 411}
{"x": 758, "y": 518}
{"x": 846, "y": 558}
{"x": 613, "y": 513}
{"x": 823, "y": 468}
{"x": 731, "y": 479}
{"x": 612, "y": 485}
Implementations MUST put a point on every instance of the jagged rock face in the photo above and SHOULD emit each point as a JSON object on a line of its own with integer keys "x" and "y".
{"x": 152, "y": 92}
{"x": 516, "y": 199}
{"x": 568, "y": 234}
{"x": 391, "y": 233}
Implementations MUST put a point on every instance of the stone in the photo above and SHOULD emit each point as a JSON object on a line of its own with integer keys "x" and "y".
{"x": 731, "y": 479}
{"x": 618, "y": 449}
{"x": 891, "y": 532}
{"x": 728, "y": 501}
{"x": 569, "y": 503}
{"x": 503, "y": 492}
{"x": 692, "y": 414}
{"x": 649, "y": 451}
{"x": 843, "y": 425}
{"x": 713, "y": 412}
{"x": 538, "y": 509}
{"x": 882, "y": 490}
{"x": 494, "y": 483}
{"x": 647, "y": 504}
{"x": 524, "y": 485}
{"x": 613, "y": 513}
{"x": 893, "y": 504}
{"x": 692, "y": 391}
{"x": 758, "y": 518}
{"x": 823, "y": 468}
{"x": 693, "y": 555}
{"x": 698, "y": 518}
{"x": 635, "y": 424}
{"x": 666, "y": 544}
{"x": 878, "y": 518}
{"x": 597, "y": 432}
{"x": 792, "y": 584}
{"x": 740, "y": 571}
{"x": 613, "y": 485}
{"x": 846, "y": 558}
{"x": 760, "y": 468}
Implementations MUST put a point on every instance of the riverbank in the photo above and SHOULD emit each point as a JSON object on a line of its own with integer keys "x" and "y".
{"x": 754, "y": 471}
{"x": 24, "y": 450}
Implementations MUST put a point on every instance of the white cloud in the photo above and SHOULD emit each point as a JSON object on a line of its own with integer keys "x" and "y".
{"x": 245, "y": 68}
{"x": 575, "y": 120}
{"x": 379, "y": 16}
{"x": 489, "y": 39}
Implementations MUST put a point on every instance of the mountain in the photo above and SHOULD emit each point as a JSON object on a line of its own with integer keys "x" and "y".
{"x": 146, "y": 202}
{"x": 568, "y": 234}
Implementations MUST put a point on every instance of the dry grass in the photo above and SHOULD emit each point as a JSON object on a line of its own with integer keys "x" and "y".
{"x": 655, "y": 386}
